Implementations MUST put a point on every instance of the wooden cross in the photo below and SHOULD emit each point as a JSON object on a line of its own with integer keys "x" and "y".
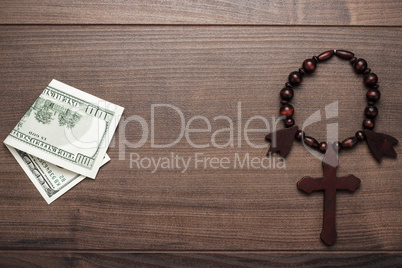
{"x": 329, "y": 183}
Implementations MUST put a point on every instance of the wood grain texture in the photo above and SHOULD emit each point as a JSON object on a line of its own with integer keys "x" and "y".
{"x": 255, "y": 12}
{"x": 203, "y": 71}
{"x": 30, "y": 259}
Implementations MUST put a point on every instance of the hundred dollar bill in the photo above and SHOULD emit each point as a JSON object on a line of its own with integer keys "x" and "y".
{"x": 68, "y": 128}
{"x": 50, "y": 180}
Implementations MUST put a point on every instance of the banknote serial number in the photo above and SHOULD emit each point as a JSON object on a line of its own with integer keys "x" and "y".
{"x": 51, "y": 175}
{"x": 36, "y": 135}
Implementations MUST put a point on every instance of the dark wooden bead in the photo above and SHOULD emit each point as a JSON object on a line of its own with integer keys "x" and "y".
{"x": 287, "y": 84}
{"x": 353, "y": 60}
{"x": 315, "y": 59}
{"x": 368, "y": 123}
{"x": 376, "y": 86}
{"x": 360, "y": 135}
{"x": 309, "y": 65}
{"x": 360, "y": 66}
{"x": 373, "y": 95}
{"x": 349, "y": 143}
{"x": 311, "y": 142}
{"x": 325, "y": 55}
{"x": 289, "y": 122}
{"x": 295, "y": 78}
{"x": 371, "y": 111}
{"x": 322, "y": 146}
{"x": 344, "y": 54}
{"x": 284, "y": 102}
{"x": 337, "y": 146}
{"x": 299, "y": 134}
{"x": 302, "y": 71}
{"x": 287, "y": 110}
{"x": 286, "y": 93}
{"x": 370, "y": 79}
{"x": 367, "y": 71}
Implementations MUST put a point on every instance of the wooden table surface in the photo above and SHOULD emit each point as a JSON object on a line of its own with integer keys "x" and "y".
{"x": 206, "y": 59}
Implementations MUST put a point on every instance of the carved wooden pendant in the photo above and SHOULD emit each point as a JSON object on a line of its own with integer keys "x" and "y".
{"x": 329, "y": 183}
{"x": 282, "y": 140}
{"x": 380, "y": 144}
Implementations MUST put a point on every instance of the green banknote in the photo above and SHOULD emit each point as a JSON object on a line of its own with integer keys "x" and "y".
{"x": 68, "y": 128}
{"x": 50, "y": 180}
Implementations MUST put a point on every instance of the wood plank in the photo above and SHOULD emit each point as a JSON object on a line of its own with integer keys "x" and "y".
{"x": 306, "y": 12}
{"x": 56, "y": 259}
{"x": 203, "y": 71}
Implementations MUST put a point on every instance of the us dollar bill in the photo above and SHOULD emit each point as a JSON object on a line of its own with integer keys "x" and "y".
{"x": 68, "y": 128}
{"x": 50, "y": 180}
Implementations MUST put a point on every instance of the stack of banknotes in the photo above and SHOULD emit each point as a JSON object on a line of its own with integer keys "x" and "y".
{"x": 63, "y": 138}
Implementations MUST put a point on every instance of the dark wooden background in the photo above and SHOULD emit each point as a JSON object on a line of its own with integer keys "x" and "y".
{"x": 202, "y": 57}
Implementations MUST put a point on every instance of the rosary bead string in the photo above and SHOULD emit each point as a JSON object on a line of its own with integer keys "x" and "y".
{"x": 295, "y": 78}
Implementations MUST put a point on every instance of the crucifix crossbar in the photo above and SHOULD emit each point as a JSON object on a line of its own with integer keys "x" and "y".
{"x": 329, "y": 183}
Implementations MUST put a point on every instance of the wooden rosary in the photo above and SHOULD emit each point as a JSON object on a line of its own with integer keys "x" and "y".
{"x": 379, "y": 144}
